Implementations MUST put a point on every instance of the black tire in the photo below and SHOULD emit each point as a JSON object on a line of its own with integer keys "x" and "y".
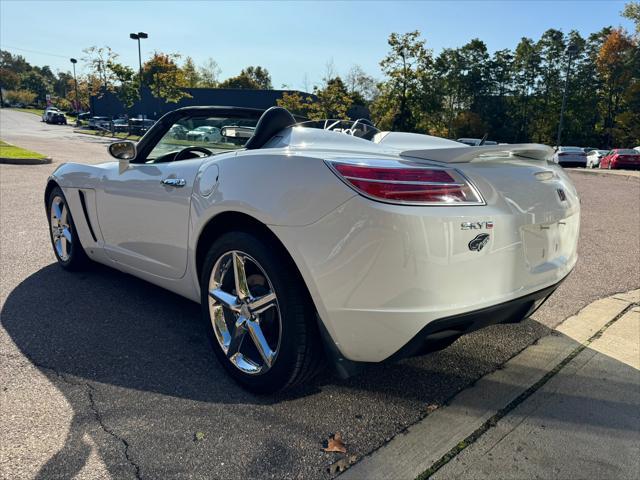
{"x": 77, "y": 258}
{"x": 300, "y": 354}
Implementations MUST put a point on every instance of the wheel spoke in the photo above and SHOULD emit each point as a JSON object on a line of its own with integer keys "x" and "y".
{"x": 63, "y": 248}
{"x": 260, "y": 342}
{"x": 67, "y": 234}
{"x": 236, "y": 338}
{"x": 57, "y": 212}
{"x": 225, "y": 299}
{"x": 64, "y": 215}
{"x": 242, "y": 288}
{"x": 263, "y": 303}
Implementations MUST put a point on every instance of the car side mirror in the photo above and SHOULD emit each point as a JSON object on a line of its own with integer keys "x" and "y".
{"x": 124, "y": 152}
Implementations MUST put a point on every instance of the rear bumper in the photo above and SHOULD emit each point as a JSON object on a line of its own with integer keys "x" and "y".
{"x": 512, "y": 311}
{"x": 380, "y": 274}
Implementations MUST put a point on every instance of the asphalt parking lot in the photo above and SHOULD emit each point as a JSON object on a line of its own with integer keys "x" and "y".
{"x": 105, "y": 375}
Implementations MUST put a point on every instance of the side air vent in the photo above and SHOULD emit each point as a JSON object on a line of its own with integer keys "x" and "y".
{"x": 83, "y": 202}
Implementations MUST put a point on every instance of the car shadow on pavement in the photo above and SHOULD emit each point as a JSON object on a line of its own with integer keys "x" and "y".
{"x": 105, "y": 328}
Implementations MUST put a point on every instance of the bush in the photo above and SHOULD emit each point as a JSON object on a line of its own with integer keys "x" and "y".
{"x": 20, "y": 96}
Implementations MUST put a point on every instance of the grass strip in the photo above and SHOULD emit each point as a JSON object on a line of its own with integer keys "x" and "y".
{"x": 11, "y": 151}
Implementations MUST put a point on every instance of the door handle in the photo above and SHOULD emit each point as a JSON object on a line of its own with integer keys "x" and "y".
{"x": 174, "y": 182}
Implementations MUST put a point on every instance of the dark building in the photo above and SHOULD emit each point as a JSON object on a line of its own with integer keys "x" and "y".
{"x": 110, "y": 105}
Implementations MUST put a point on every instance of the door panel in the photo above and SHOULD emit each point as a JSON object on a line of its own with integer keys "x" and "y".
{"x": 145, "y": 222}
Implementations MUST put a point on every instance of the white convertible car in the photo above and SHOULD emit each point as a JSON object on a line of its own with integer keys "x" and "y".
{"x": 324, "y": 240}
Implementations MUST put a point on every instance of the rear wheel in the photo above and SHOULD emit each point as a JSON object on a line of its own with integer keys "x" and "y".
{"x": 63, "y": 233}
{"x": 259, "y": 316}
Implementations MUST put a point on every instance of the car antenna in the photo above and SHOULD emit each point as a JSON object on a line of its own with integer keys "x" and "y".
{"x": 484, "y": 139}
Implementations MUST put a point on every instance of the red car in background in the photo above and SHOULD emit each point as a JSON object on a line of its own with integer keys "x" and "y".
{"x": 621, "y": 158}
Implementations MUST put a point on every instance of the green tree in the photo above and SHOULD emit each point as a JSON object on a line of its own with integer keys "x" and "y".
{"x": 33, "y": 81}
{"x": 527, "y": 68}
{"x": 96, "y": 61}
{"x": 397, "y": 103}
{"x": 632, "y": 12}
{"x": 126, "y": 83}
{"x": 253, "y": 78}
{"x": 361, "y": 87}
{"x": 191, "y": 75}
{"x": 333, "y": 101}
{"x": 296, "y": 103}
{"x": 208, "y": 74}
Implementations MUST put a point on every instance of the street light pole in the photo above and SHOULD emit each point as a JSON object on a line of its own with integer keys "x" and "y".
{"x": 138, "y": 36}
{"x": 571, "y": 50}
{"x": 75, "y": 81}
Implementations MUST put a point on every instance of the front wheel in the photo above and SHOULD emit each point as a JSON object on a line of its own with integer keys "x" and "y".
{"x": 63, "y": 233}
{"x": 260, "y": 319}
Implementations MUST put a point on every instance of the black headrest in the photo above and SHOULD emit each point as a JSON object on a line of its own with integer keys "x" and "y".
{"x": 270, "y": 123}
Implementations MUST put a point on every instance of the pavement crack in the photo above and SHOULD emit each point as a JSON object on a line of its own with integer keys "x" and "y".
{"x": 92, "y": 405}
{"x": 123, "y": 441}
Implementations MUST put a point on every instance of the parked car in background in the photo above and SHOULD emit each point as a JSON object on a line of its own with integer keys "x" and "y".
{"x": 570, "y": 157}
{"x": 53, "y": 115}
{"x": 120, "y": 125}
{"x": 594, "y": 157}
{"x": 178, "y": 132}
{"x": 139, "y": 126}
{"x": 637, "y": 148}
{"x": 205, "y": 134}
{"x": 474, "y": 142}
{"x": 621, "y": 158}
{"x": 99, "y": 122}
{"x": 48, "y": 112}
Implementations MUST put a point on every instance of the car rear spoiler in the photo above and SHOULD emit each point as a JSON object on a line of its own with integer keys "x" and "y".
{"x": 531, "y": 151}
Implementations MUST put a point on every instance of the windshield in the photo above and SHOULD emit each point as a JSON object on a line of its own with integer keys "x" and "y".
{"x": 627, "y": 151}
{"x": 361, "y": 128}
{"x": 571, "y": 149}
{"x": 216, "y": 134}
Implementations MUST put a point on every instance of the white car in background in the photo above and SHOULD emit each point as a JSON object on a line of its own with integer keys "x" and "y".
{"x": 594, "y": 157}
{"x": 205, "y": 134}
{"x": 570, "y": 157}
{"x": 322, "y": 239}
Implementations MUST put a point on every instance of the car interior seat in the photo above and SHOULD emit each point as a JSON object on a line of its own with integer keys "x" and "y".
{"x": 271, "y": 122}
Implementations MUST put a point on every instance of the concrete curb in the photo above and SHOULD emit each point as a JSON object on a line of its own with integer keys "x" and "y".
{"x": 25, "y": 161}
{"x": 627, "y": 174}
{"x": 415, "y": 451}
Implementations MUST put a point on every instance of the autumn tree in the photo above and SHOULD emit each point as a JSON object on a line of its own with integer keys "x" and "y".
{"x": 164, "y": 78}
{"x": 617, "y": 65}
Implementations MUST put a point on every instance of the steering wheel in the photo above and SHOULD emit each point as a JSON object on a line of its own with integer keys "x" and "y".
{"x": 182, "y": 153}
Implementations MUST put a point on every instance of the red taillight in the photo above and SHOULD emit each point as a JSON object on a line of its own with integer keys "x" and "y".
{"x": 402, "y": 184}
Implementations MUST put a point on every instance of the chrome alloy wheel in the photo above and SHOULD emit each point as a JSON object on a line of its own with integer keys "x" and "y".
{"x": 60, "y": 228}
{"x": 242, "y": 301}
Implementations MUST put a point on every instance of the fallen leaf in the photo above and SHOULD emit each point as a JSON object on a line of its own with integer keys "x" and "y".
{"x": 198, "y": 437}
{"x": 335, "y": 444}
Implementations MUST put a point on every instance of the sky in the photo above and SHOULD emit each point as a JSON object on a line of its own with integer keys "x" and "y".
{"x": 294, "y": 40}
